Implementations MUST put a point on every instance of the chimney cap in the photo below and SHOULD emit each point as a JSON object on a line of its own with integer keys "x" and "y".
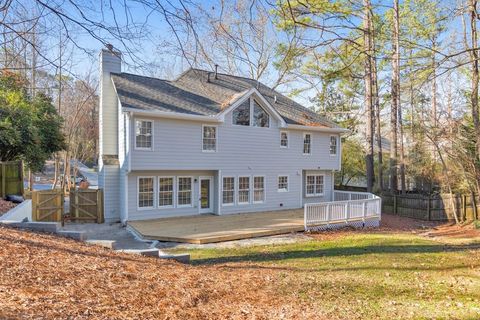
{"x": 109, "y": 46}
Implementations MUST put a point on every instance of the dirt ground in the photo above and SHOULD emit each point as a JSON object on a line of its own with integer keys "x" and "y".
{"x": 5, "y": 206}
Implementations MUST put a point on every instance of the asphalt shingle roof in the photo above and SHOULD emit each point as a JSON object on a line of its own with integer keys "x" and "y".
{"x": 192, "y": 93}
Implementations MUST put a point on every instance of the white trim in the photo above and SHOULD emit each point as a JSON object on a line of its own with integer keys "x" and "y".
{"x": 264, "y": 189}
{"x": 234, "y": 192}
{"x": 138, "y": 193}
{"x": 191, "y": 193}
{"x": 330, "y": 145}
{"x": 314, "y": 128}
{"x": 221, "y": 115}
{"x": 315, "y": 194}
{"x": 210, "y": 195}
{"x": 135, "y": 134}
{"x": 219, "y": 187}
{"x": 173, "y": 193}
{"x": 303, "y": 143}
{"x": 288, "y": 183}
{"x": 216, "y": 138}
{"x": 288, "y": 139}
{"x": 249, "y": 190}
{"x": 172, "y": 115}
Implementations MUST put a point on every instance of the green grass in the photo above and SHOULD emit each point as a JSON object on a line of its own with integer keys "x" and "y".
{"x": 367, "y": 276}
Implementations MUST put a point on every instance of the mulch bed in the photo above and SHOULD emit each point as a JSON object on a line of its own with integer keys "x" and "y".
{"x": 5, "y": 206}
{"x": 44, "y": 277}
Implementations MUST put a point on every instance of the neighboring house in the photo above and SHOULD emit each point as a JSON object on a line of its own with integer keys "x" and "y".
{"x": 207, "y": 143}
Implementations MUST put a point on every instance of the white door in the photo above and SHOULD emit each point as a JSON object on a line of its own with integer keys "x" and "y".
{"x": 205, "y": 201}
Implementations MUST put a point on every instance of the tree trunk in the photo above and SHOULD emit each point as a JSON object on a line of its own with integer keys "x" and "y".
{"x": 378, "y": 122}
{"x": 367, "y": 24}
{"x": 475, "y": 76}
{"x": 395, "y": 100}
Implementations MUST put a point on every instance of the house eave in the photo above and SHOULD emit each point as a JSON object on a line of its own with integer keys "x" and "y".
{"x": 172, "y": 115}
{"x": 319, "y": 129}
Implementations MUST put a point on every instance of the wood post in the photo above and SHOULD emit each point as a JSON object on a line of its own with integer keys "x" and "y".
{"x": 4, "y": 181}
{"x": 429, "y": 209}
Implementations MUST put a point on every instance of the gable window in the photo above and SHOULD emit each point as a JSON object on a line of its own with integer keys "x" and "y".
{"x": 283, "y": 139}
{"x": 228, "y": 191}
{"x": 143, "y": 134}
{"x": 145, "y": 192}
{"x": 258, "y": 189}
{"x": 243, "y": 190}
{"x": 209, "y": 141}
{"x": 165, "y": 191}
{"x": 307, "y": 141}
{"x": 260, "y": 116}
{"x": 333, "y": 145}
{"x": 241, "y": 115}
{"x": 283, "y": 183}
{"x": 314, "y": 185}
{"x": 184, "y": 191}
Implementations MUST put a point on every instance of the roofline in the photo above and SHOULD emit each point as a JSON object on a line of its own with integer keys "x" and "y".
{"x": 172, "y": 115}
{"x": 315, "y": 128}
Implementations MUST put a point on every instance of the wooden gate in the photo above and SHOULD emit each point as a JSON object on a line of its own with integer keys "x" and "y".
{"x": 47, "y": 205}
{"x": 11, "y": 178}
{"x": 86, "y": 204}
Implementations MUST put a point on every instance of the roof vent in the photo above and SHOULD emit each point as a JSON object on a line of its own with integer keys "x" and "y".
{"x": 216, "y": 71}
{"x": 275, "y": 98}
{"x": 208, "y": 76}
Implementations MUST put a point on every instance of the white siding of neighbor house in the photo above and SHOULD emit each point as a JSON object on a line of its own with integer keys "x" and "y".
{"x": 241, "y": 151}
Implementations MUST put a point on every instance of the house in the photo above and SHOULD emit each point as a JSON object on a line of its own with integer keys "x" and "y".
{"x": 207, "y": 143}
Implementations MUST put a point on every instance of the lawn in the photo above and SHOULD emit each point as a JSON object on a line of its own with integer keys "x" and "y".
{"x": 367, "y": 275}
{"x": 344, "y": 275}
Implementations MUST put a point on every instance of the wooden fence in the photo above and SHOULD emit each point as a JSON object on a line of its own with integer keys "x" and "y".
{"x": 47, "y": 205}
{"x": 11, "y": 178}
{"x": 86, "y": 204}
{"x": 432, "y": 208}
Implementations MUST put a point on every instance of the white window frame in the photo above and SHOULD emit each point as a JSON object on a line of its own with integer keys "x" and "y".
{"x": 315, "y": 194}
{"x": 216, "y": 137}
{"x": 174, "y": 195}
{"x": 288, "y": 138}
{"x": 138, "y": 193}
{"x": 249, "y": 190}
{"x": 264, "y": 188}
{"x": 135, "y": 133}
{"x": 303, "y": 143}
{"x": 278, "y": 180}
{"x": 251, "y": 105}
{"x": 234, "y": 191}
{"x": 336, "y": 146}
{"x": 177, "y": 192}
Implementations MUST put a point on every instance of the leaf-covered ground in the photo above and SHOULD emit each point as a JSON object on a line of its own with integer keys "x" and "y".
{"x": 5, "y": 206}
{"x": 358, "y": 275}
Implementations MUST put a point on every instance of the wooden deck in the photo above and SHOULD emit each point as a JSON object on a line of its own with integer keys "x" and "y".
{"x": 211, "y": 228}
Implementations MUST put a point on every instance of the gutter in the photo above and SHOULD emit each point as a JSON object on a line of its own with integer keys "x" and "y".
{"x": 319, "y": 129}
{"x": 173, "y": 115}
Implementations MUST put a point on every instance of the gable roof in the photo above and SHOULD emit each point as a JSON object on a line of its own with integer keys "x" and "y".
{"x": 197, "y": 92}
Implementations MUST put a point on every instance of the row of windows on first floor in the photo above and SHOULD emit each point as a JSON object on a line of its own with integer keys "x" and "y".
{"x": 144, "y": 138}
{"x": 171, "y": 192}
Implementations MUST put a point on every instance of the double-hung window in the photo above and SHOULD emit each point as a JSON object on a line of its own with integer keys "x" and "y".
{"x": 307, "y": 143}
{"x": 209, "y": 138}
{"x": 243, "y": 190}
{"x": 184, "y": 191}
{"x": 314, "y": 185}
{"x": 258, "y": 189}
{"x": 228, "y": 191}
{"x": 283, "y": 139}
{"x": 333, "y": 145}
{"x": 165, "y": 191}
{"x": 143, "y": 134}
{"x": 145, "y": 192}
{"x": 283, "y": 183}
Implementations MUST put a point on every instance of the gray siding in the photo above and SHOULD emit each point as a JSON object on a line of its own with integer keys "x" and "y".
{"x": 110, "y": 181}
{"x": 241, "y": 151}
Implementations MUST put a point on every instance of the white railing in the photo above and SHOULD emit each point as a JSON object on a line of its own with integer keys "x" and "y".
{"x": 347, "y": 208}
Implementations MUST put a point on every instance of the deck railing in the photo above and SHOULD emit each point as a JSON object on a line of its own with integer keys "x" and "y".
{"x": 348, "y": 208}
